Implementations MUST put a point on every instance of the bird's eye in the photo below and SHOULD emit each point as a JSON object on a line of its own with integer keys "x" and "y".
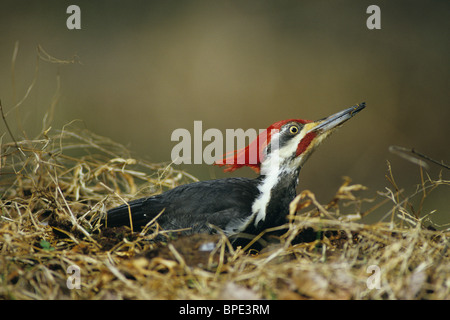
{"x": 293, "y": 129}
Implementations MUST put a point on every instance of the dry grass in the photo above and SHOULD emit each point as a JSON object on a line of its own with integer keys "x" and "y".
{"x": 55, "y": 189}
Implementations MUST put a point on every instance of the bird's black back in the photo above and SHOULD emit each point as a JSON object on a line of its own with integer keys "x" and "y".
{"x": 222, "y": 203}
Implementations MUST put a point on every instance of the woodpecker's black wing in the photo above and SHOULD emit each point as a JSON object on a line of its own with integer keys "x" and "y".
{"x": 225, "y": 203}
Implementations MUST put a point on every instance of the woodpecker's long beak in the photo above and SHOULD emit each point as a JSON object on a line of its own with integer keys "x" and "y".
{"x": 318, "y": 131}
{"x": 334, "y": 121}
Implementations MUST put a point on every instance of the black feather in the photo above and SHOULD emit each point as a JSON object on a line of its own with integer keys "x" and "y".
{"x": 194, "y": 206}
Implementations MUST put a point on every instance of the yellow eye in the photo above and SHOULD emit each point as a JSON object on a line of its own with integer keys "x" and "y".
{"x": 293, "y": 129}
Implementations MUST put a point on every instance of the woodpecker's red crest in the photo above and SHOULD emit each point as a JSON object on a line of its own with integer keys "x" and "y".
{"x": 311, "y": 133}
{"x": 253, "y": 155}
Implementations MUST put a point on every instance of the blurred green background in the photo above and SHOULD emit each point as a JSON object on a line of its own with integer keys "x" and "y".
{"x": 149, "y": 67}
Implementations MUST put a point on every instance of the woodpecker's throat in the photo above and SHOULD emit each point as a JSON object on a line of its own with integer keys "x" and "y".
{"x": 277, "y": 190}
{"x": 278, "y": 178}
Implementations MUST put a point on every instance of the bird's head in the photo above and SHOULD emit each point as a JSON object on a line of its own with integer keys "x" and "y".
{"x": 287, "y": 142}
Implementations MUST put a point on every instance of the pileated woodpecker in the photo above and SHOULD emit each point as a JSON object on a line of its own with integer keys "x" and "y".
{"x": 238, "y": 205}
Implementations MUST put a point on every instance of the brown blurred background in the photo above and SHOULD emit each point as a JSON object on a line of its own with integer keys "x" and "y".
{"x": 150, "y": 67}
